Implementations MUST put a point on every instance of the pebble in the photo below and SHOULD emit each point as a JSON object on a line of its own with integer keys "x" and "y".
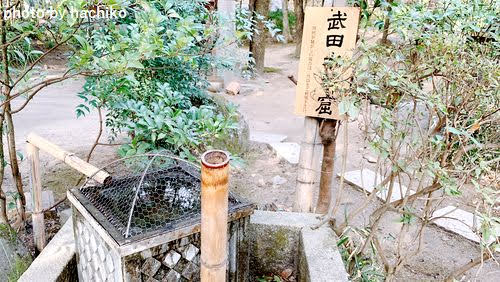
{"x": 278, "y": 180}
{"x": 286, "y": 273}
{"x": 261, "y": 182}
{"x": 233, "y": 88}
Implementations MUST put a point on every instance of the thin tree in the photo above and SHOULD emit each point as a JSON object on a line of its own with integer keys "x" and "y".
{"x": 299, "y": 26}
{"x": 286, "y": 24}
{"x": 259, "y": 37}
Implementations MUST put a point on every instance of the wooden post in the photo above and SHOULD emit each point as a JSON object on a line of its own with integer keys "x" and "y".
{"x": 36, "y": 194}
{"x": 214, "y": 209}
{"x": 313, "y": 52}
{"x": 35, "y": 143}
{"x": 328, "y": 136}
{"x": 309, "y": 159}
{"x": 69, "y": 158}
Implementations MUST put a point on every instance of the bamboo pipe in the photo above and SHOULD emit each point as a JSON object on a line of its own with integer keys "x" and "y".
{"x": 69, "y": 158}
{"x": 309, "y": 163}
{"x": 214, "y": 210}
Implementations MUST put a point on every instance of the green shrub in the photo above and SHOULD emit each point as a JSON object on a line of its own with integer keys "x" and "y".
{"x": 160, "y": 99}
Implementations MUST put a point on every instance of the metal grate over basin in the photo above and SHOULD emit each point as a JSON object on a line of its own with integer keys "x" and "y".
{"x": 162, "y": 195}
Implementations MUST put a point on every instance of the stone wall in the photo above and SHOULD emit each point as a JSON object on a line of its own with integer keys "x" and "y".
{"x": 275, "y": 241}
{"x": 281, "y": 242}
{"x": 179, "y": 260}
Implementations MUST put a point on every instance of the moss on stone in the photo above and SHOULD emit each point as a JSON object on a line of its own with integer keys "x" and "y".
{"x": 280, "y": 242}
{"x": 281, "y": 238}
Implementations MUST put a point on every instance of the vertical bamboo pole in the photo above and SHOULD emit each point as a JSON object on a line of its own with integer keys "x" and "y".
{"x": 214, "y": 209}
{"x": 36, "y": 195}
{"x": 309, "y": 159}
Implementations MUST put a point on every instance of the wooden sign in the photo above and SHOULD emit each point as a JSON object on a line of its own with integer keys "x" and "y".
{"x": 327, "y": 30}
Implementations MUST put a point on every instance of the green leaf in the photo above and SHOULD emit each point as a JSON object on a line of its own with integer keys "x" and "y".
{"x": 80, "y": 40}
{"x": 130, "y": 152}
{"x": 135, "y": 64}
{"x": 342, "y": 241}
{"x": 20, "y": 155}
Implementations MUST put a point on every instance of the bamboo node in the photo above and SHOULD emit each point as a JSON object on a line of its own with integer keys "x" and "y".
{"x": 214, "y": 266}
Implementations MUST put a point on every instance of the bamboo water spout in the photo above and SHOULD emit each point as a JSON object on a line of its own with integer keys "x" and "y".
{"x": 214, "y": 209}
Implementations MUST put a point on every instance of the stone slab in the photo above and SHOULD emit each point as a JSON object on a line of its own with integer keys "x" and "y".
{"x": 47, "y": 200}
{"x": 286, "y": 219}
{"x": 264, "y": 137}
{"x": 320, "y": 259}
{"x": 281, "y": 241}
{"x": 367, "y": 180}
{"x": 287, "y": 150}
{"x": 57, "y": 260}
{"x": 273, "y": 247}
{"x": 460, "y": 222}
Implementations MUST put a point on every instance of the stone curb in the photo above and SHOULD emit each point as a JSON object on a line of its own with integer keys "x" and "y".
{"x": 57, "y": 260}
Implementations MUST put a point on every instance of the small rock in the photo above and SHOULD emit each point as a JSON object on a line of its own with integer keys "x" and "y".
{"x": 289, "y": 151}
{"x": 291, "y": 279}
{"x": 184, "y": 241}
{"x": 191, "y": 271}
{"x": 150, "y": 267}
{"x": 172, "y": 276}
{"x": 190, "y": 252}
{"x": 146, "y": 254}
{"x": 171, "y": 258}
{"x": 261, "y": 182}
{"x": 233, "y": 88}
{"x": 286, "y": 273}
{"x": 278, "y": 180}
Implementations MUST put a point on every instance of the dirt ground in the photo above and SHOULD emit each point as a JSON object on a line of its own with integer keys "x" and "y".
{"x": 267, "y": 104}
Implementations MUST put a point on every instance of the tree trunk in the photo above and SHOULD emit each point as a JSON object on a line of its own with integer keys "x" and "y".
{"x": 4, "y": 90}
{"x": 286, "y": 24}
{"x": 14, "y": 165}
{"x": 4, "y": 219}
{"x": 387, "y": 23}
{"x": 299, "y": 27}
{"x": 328, "y": 135}
{"x": 3, "y": 208}
{"x": 258, "y": 42}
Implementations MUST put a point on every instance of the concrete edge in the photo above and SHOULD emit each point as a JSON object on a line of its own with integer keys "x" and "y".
{"x": 55, "y": 259}
{"x": 319, "y": 257}
{"x": 285, "y": 219}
